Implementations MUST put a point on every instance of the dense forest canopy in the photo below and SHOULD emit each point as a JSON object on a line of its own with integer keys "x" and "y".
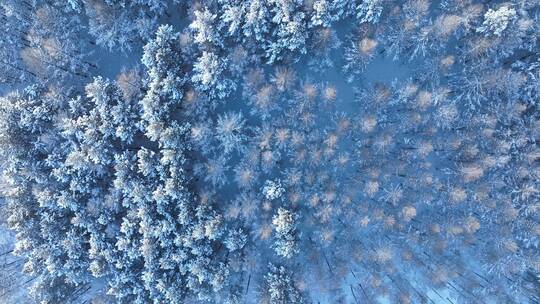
{"x": 269, "y": 151}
